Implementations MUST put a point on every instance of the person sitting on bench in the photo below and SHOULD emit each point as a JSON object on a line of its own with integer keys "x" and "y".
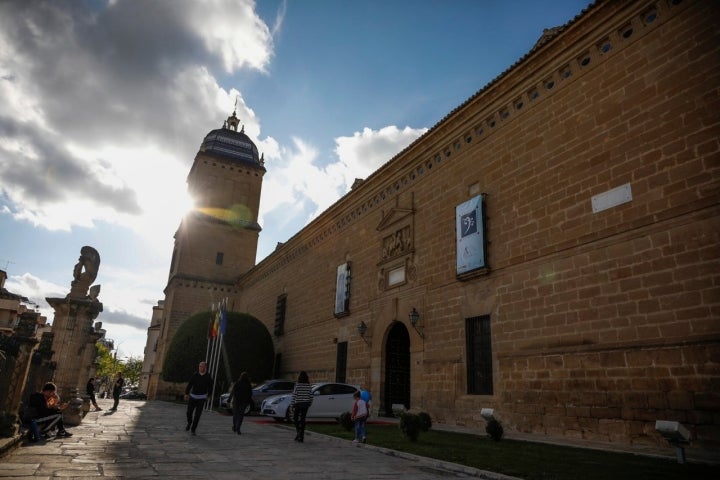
{"x": 45, "y": 410}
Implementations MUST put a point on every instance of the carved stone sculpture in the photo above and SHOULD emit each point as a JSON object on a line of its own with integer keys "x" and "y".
{"x": 85, "y": 271}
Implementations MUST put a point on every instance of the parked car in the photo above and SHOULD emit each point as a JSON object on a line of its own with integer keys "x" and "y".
{"x": 133, "y": 395}
{"x": 330, "y": 400}
{"x": 260, "y": 393}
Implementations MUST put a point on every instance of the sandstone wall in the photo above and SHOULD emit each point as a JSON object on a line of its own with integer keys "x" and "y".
{"x": 602, "y": 322}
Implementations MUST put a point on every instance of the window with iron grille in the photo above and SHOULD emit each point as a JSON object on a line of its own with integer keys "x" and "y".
{"x": 277, "y": 368}
{"x": 219, "y": 258}
{"x": 341, "y": 362}
{"x": 280, "y": 315}
{"x": 479, "y": 355}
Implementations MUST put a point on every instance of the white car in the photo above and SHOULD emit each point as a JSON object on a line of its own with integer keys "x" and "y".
{"x": 330, "y": 400}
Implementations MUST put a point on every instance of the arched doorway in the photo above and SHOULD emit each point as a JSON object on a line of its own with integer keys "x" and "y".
{"x": 397, "y": 368}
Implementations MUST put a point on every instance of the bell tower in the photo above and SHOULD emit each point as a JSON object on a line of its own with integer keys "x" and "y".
{"x": 217, "y": 242}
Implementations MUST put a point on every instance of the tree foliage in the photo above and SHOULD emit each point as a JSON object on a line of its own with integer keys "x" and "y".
{"x": 132, "y": 369}
{"x": 247, "y": 346}
{"x": 105, "y": 364}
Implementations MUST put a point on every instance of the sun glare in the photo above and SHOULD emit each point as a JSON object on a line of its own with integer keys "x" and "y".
{"x": 185, "y": 205}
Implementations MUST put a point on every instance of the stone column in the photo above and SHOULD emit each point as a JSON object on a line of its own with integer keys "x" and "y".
{"x": 23, "y": 342}
{"x": 42, "y": 369}
{"x": 73, "y": 334}
{"x": 73, "y": 330}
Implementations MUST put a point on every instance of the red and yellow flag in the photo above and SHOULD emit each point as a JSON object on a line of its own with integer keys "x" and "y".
{"x": 216, "y": 324}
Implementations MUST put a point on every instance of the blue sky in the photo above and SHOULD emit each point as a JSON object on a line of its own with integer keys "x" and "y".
{"x": 105, "y": 104}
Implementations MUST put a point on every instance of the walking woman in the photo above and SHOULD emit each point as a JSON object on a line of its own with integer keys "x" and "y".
{"x": 240, "y": 396}
{"x": 302, "y": 398}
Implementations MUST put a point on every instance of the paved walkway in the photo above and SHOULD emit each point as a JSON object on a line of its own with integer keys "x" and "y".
{"x": 148, "y": 439}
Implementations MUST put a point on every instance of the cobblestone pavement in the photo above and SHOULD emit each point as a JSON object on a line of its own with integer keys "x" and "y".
{"x": 148, "y": 439}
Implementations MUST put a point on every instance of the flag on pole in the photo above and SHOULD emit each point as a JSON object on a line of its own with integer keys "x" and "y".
{"x": 216, "y": 323}
{"x": 223, "y": 317}
{"x": 210, "y": 325}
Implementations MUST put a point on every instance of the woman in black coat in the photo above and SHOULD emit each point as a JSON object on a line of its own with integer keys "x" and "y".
{"x": 241, "y": 397}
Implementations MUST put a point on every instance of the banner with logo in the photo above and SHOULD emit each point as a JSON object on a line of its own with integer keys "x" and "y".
{"x": 470, "y": 233}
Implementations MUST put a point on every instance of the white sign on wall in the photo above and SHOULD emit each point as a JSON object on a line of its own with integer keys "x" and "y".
{"x": 611, "y": 198}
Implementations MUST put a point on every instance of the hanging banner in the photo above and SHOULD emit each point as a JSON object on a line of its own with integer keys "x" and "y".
{"x": 342, "y": 290}
{"x": 470, "y": 234}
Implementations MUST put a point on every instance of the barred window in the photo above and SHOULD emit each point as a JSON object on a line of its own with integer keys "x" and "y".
{"x": 280, "y": 315}
{"x": 341, "y": 362}
{"x": 479, "y": 356}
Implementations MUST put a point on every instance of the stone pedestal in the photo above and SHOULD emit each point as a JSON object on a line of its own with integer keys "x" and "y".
{"x": 74, "y": 333}
{"x": 73, "y": 414}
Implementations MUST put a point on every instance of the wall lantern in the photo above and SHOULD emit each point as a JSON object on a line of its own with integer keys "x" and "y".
{"x": 362, "y": 329}
{"x": 414, "y": 319}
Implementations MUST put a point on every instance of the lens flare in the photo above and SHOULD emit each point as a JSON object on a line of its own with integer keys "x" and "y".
{"x": 547, "y": 275}
{"x": 238, "y": 215}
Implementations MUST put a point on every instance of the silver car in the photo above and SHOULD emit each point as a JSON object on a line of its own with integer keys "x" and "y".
{"x": 260, "y": 393}
{"x": 330, "y": 400}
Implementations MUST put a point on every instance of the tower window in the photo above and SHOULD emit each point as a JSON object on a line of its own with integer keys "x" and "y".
{"x": 219, "y": 258}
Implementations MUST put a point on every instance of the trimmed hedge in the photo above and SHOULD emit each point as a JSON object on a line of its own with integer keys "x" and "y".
{"x": 410, "y": 426}
{"x": 247, "y": 346}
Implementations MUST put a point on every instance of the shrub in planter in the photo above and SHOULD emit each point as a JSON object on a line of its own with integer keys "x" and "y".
{"x": 345, "y": 421}
{"x": 410, "y": 426}
{"x": 425, "y": 421}
{"x": 494, "y": 430}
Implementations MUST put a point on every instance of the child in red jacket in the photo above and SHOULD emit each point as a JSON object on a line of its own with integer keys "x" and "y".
{"x": 359, "y": 417}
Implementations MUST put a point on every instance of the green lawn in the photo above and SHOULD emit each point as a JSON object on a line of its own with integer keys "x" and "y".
{"x": 531, "y": 461}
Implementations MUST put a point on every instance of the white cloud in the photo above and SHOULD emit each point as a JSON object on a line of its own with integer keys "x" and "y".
{"x": 297, "y": 186}
{"x": 36, "y": 290}
{"x": 238, "y": 35}
{"x": 138, "y": 85}
{"x": 104, "y": 108}
{"x": 294, "y": 185}
{"x": 366, "y": 151}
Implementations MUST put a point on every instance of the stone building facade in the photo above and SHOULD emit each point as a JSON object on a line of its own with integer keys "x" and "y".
{"x": 591, "y": 307}
{"x": 151, "y": 344}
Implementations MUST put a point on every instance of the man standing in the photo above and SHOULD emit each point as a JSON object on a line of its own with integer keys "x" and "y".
{"x": 90, "y": 390}
{"x": 197, "y": 391}
{"x": 117, "y": 390}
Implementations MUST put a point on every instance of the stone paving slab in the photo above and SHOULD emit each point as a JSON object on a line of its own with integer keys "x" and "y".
{"x": 145, "y": 440}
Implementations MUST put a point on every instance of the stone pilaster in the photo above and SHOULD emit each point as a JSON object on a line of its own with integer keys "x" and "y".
{"x": 74, "y": 334}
